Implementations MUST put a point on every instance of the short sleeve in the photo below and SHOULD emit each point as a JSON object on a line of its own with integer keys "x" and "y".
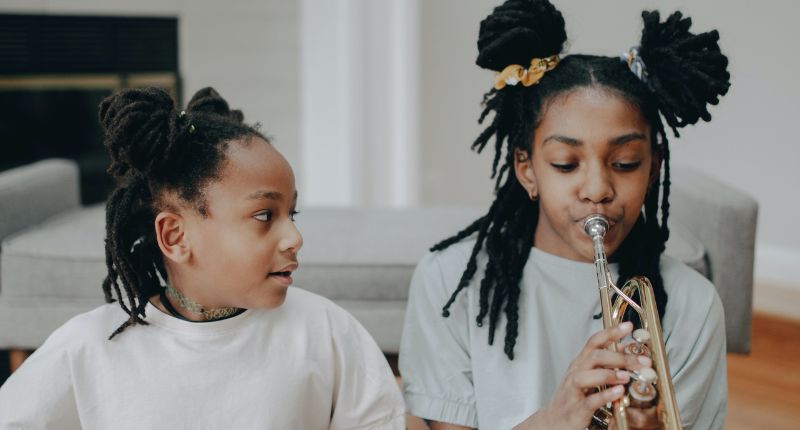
{"x": 366, "y": 394}
{"x": 697, "y": 355}
{"x": 40, "y": 395}
{"x": 435, "y": 361}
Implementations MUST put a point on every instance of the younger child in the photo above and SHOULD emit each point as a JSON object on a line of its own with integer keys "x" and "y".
{"x": 582, "y": 135}
{"x": 206, "y": 332}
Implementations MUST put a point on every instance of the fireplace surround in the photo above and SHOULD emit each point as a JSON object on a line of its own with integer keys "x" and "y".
{"x": 55, "y": 70}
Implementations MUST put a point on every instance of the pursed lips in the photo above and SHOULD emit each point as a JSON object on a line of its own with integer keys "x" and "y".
{"x": 612, "y": 220}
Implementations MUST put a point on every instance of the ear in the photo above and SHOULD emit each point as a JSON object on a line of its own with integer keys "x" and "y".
{"x": 523, "y": 169}
{"x": 171, "y": 236}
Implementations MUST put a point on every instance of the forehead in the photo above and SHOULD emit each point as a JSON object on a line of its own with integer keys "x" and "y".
{"x": 590, "y": 114}
{"x": 251, "y": 165}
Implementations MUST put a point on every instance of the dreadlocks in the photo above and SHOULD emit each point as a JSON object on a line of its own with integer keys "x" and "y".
{"x": 156, "y": 150}
{"x": 685, "y": 72}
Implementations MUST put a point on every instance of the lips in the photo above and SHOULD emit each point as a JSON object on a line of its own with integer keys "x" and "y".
{"x": 285, "y": 274}
{"x": 612, "y": 220}
{"x": 610, "y": 234}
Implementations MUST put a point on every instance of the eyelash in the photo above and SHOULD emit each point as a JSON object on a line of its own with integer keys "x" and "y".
{"x": 262, "y": 213}
{"x": 625, "y": 167}
{"x": 269, "y": 215}
{"x": 564, "y": 168}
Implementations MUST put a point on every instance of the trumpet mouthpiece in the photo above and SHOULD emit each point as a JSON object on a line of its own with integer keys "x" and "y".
{"x": 596, "y": 225}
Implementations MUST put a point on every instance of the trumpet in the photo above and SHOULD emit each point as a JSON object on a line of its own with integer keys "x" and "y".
{"x": 648, "y": 387}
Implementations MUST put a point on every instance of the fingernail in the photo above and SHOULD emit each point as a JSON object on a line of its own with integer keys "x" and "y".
{"x": 618, "y": 389}
{"x": 627, "y": 325}
{"x": 621, "y": 374}
{"x": 644, "y": 360}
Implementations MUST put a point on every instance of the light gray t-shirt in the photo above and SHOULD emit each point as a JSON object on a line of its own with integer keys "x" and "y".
{"x": 451, "y": 374}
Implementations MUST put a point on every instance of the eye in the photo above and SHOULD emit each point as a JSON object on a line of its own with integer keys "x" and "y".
{"x": 564, "y": 168}
{"x": 293, "y": 214}
{"x": 264, "y": 216}
{"x": 627, "y": 167}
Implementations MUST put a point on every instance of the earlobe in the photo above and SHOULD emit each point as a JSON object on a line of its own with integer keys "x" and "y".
{"x": 523, "y": 169}
{"x": 171, "y": 236}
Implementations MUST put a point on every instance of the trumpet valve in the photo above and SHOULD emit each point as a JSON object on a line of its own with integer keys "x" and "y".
{"x": 642, "y": 390}
{"x": 637, "y": 349}
{"x": 639, "y": 346}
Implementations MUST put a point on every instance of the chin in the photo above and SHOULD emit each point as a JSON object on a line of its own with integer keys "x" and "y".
{"x": 588, "y": 257}
{"x": 585, "y": 249}
{"x": 271, "y": 301}
{"x": 276, "y": 300}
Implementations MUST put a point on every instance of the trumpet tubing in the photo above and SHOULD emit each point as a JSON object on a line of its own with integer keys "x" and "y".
{"x": 649, "y": 387}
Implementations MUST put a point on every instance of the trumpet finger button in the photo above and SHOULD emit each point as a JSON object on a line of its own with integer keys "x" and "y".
{"x": 647, "y": 375}
{"x": 641, "y": 335}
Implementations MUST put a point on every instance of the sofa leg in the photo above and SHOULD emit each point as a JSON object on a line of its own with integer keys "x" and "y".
{"x": 16, "y": 357}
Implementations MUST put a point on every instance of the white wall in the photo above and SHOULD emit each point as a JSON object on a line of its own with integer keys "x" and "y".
{"x": 247, "y": 50}
{"x": 752, "y": 142}
{"x": 452, "y": 87}
{"x": 359, "y": 104}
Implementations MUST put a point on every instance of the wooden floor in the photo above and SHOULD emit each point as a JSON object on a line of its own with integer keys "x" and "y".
{"x": 763, "y": 387}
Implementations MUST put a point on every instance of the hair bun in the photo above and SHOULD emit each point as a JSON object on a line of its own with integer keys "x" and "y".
{"x": 208, "y": 100}
{"x": 138, "y": 126}
{"x": 686, "y": 71}
{"x": 518, "y": 31}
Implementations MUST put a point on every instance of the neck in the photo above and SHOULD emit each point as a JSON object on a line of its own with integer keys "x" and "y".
{"x": 193, "y": 310}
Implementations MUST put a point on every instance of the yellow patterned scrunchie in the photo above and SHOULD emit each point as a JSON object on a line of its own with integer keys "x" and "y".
{"x": 514, "y": 74}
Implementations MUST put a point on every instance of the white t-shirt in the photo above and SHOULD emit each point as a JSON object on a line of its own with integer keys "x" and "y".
{"x": 305, "y": 365}
{"x": 451, "y": 373}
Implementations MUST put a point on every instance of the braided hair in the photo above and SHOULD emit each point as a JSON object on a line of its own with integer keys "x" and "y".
{"x": 684, "y": 73}
{"x": 156, "y": 150}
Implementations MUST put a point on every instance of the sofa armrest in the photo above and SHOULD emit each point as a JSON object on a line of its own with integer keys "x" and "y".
{"x": 724, "y": 220}
{"x": 32, "y": 193}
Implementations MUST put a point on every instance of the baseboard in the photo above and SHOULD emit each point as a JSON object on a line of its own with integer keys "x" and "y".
{"x": 776, "y": 265}
{"x": 777, "y": 281}
{"x": 777, "y": 300}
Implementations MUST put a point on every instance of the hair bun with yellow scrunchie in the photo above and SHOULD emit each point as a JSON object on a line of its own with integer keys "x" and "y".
{"x": 518, "y": 31}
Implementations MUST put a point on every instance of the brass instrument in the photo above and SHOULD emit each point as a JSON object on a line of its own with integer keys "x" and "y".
{"x": 649, "y": 387}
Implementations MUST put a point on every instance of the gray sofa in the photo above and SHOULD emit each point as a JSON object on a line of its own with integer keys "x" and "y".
{"x": 52, "y": 258}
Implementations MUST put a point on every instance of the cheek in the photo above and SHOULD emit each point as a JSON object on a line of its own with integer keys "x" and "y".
{"x": 258, "y": 248}
{"x": 636, "y": 191}
{"x": 556, "y": 197}
{"x": 232, "y": 247}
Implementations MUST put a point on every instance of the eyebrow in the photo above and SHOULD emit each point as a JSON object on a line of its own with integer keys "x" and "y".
{"x": 269, "y": 195}
{"x": 563, "y": 139}
{"x": 625, "y": 138}
{"x": 571, "y": 141}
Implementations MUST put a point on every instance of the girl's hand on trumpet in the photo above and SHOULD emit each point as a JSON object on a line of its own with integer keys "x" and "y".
{"x": 577, "y": 398}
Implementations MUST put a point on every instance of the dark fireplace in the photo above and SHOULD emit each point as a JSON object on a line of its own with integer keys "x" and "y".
{"x": 55, "y": 70}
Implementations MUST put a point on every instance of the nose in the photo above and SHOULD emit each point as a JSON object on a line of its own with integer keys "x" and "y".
{"x": 291, "y": 240}
{"x": 596, "y": 185}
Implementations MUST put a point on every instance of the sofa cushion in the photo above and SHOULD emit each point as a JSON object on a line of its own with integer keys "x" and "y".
{"x": 683, "y": 246}
{"x": 347, "y": 255}
{"x": 361, "y": 258}
{"x": 62, "y": 258}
